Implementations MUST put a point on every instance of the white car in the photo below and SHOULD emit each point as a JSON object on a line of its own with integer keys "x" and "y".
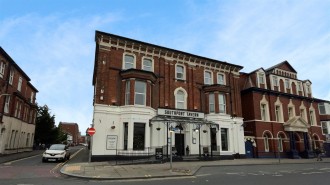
{"x": 56, "y": 152}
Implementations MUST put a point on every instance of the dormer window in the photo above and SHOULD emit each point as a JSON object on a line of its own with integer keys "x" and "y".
{"x": 299, "y": 86}
{"x": 287, "y": 84}
{"x": 261, "y": 78}
{"x": 180, "y": 72}
{"x": 308, "y": 89}
{"x": 275, "y": 81}
{"x": 129, "y": 61}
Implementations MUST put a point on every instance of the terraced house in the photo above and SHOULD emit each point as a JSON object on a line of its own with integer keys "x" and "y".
{"x": 18, "y": 107}
{"x": 148, "y": 97}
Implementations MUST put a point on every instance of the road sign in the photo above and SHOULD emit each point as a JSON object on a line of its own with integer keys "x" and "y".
{"x": 91, "y": 131}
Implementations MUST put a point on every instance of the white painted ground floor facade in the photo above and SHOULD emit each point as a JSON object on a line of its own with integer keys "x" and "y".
{"x": 16, "y": 136}
{"x": 139, "y": 131}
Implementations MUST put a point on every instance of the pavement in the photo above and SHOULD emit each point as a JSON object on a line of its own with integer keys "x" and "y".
{"x": 17, "y": 156}
{"x": 110, "y": 171}
{"x": 105, "y": 170}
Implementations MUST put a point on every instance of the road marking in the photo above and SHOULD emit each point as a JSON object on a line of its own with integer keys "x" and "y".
{"x": 73, "y": 155}
{"x": 310, "y": 173}
{"x": 202, "y": 175}
{"x": 53, "y": 171}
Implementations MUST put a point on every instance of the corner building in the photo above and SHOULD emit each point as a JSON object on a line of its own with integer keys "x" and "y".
{"x": 149, "y": 97}
{"x": 281, "y": 117}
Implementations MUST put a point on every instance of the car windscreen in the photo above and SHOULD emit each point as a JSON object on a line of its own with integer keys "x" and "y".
{"x": 57, "y": 147}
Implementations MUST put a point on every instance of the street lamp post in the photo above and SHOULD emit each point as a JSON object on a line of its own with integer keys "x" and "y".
{"x": 199, "y": 140}
{"x": 171, "y": 155}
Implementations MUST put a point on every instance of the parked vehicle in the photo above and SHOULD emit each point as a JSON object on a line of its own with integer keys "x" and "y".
{"x": 56, "y": 152}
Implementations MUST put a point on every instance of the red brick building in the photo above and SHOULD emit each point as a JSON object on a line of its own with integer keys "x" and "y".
{"x": 145, "y": 94}
{"x": 280, "y": 114}
{"x": 18, "y": 107}
{"x": 72, "y": 129}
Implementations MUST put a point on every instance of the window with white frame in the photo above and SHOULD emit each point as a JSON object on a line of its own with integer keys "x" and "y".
{"x": 221, "y": 79}
{"x": 7, "y": 102}
{"x": 322, "y": 108}
{"x": 308, "y": 89}
{"x": 266, "y": 142}
{"x": 211, "y": 103}
{"x": 2, "y": 68}
{"x": 261, "y": 77}
{"x": 263, "y": 108}
{"x": 275, "y": 81}
{"x": 299, "y": 86}
{"x": 180, "y": 100}
{"x": 140, "y": 93}
{"x": 222, "y": 103}
{"x": 11, "y": 77}
{"x": 147, "y": 64}
{"x": 324, "y": 125}
{"x": 280, "y": 143}
{"x": 32, "y": 97}
{"x": 129, "y": 61}
{"x": 302, "y": 113}
{"x": 278, "y": 113}
{"x": 290, "y": 112}
{"x": 16, "y": 109}
{"x": 287, "y": 83}
{"x": 207, "y": 77}
{"x": 19, "y": 86}
{"x": 127, "y": 92}
{"x": 312, "y": 117}
{"x": 180, "y": 74}
{"x": 19, "y": 110}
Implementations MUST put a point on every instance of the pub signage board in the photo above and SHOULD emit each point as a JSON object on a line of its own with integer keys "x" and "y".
{"x": 180, "y": 113}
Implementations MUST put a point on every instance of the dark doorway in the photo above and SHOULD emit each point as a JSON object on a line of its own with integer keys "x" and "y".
{"x": 249, "y": 149}
{"x": 179, "y": 143}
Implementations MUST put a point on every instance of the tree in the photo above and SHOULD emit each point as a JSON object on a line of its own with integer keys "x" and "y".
{"x": 46, "y": 131}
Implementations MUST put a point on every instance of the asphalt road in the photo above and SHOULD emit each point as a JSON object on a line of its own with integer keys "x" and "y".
{"x": 31, "y": 171}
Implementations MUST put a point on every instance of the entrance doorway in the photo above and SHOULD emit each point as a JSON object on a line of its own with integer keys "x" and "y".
{"x": 179, "y": 143}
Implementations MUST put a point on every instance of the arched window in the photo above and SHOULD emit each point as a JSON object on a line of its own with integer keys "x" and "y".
{"x": 147, "y": 64}
{"x": 180, "y": 98}
{"x": 208, "y": 80}
{"x": 266, "y": 142}
{"x": 129, "y": 61}
{"x": 280, "y": 143}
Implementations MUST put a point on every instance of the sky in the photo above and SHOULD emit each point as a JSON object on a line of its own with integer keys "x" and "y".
{"x": 53, "y": 41}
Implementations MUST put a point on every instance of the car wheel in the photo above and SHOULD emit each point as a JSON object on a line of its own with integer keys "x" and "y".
{"x": 43, "y": 160}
